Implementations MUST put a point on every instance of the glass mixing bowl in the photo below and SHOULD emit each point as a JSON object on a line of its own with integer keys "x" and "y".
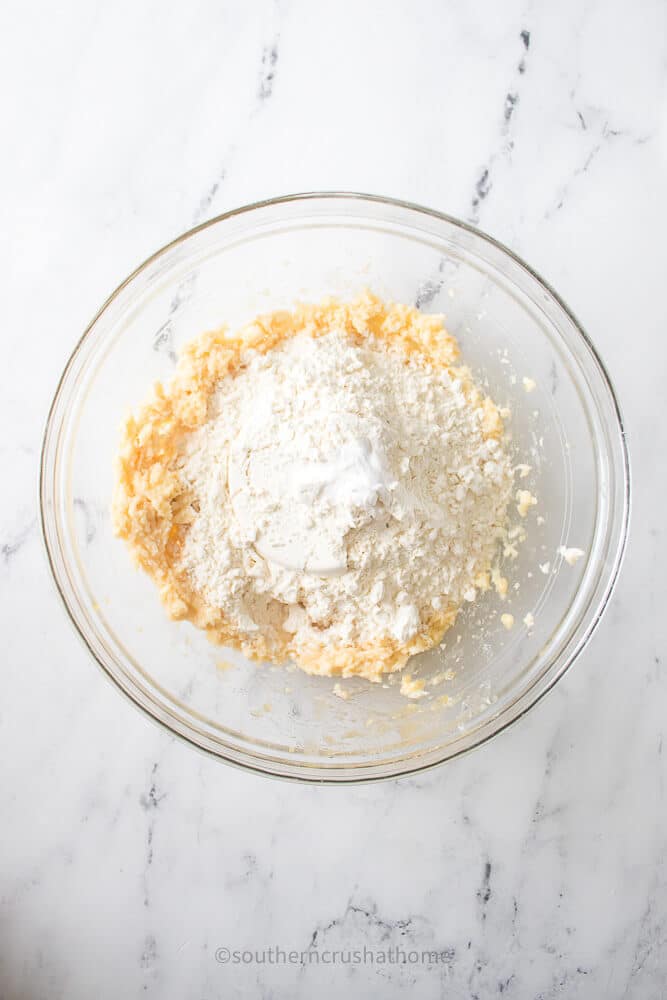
{"x": 510, "y": 325}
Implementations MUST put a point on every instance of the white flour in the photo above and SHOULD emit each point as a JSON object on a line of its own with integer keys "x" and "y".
{"x": 344, "y": 493}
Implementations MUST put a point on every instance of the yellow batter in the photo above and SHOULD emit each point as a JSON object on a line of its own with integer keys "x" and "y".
{"x": 152, "y": 509}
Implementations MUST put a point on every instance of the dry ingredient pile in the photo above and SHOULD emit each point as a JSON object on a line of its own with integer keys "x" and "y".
{"x": 326, "y": 486}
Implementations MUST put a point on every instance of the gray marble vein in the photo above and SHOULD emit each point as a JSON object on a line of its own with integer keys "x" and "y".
{"x": 484, "y": 181}
{"x": 16, "y": 541}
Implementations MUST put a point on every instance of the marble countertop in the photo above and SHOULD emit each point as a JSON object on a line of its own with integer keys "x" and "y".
{"x": 537, "y": 865}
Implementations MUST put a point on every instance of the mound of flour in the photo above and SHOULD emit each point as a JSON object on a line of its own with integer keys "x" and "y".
{"x": 346, "y": 492}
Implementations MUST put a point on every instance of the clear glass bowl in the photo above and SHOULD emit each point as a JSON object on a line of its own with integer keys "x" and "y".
{"x": 510, "y": 325}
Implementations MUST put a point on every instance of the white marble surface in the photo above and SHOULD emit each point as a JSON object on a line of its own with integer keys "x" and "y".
{"x": 537, "y": 864}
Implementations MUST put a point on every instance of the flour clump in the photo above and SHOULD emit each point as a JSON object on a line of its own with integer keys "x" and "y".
{"x": 326, "y": 485}
{"x": 346, "y": 492}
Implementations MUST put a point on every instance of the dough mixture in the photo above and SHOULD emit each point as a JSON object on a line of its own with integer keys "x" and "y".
{"x": 327, "y": 485}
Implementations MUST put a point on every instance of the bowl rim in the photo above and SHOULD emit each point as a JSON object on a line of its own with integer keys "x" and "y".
{"x": 596, "y": 608}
